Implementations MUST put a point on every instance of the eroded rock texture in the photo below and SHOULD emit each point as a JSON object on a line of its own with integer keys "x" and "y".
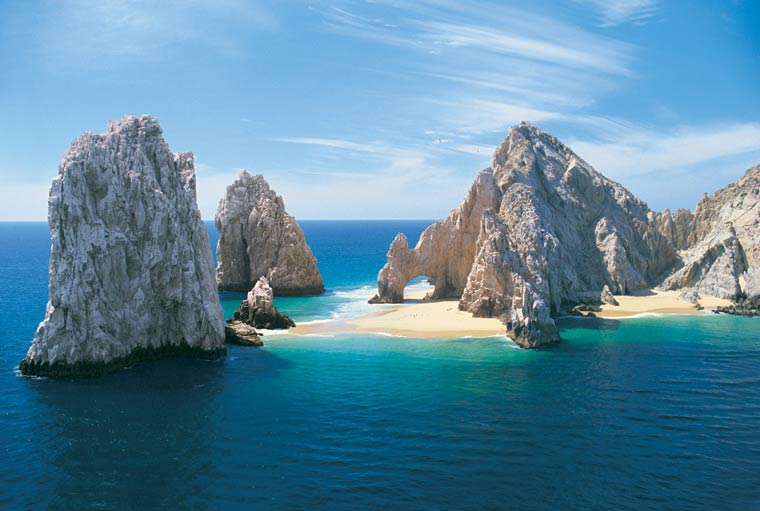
{"x": 258, "y": 309}
{"x": 258, "y": 238}
{"x": 131, "y": 270}
{"x": 539, "y": 232}
{"x": 721, "y": 255}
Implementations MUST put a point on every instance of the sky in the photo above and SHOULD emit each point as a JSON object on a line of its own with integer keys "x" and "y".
{"x": 384, "y": 109}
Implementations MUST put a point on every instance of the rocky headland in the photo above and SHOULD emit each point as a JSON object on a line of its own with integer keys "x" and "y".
{"x": 131, "y": 272}
{"x": 541, "y": 232}
{"x": 258, "y": 238}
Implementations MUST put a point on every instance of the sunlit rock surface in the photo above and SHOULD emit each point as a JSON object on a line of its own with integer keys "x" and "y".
{"x": 538, "y": 233}
{"x": 131, "y": 269}
{"x": 258, "y": 238}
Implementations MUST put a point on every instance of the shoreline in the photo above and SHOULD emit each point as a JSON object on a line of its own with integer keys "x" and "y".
{"x": 416, "y": 317}
{"x": 423, "y": 318}
{"x": 653, "y": 301}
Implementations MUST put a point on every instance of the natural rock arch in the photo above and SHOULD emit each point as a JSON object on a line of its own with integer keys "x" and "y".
{"x": 445, "y": 251}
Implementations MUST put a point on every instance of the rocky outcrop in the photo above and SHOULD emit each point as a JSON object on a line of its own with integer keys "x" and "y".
{"x": 242, "y": 334}
{"x": 721, "y": 255}
{"x": 131, "y": 271}
{"x": 258, "y": 309}
{"x": 607, "y": 296}
{"x": 538, "y": 233}
{"x": 445, "y": 250}
{"x": 258, "y": 238}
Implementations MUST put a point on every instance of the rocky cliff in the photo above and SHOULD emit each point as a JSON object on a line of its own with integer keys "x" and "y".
{"x": 131, "y": 270}
{"x": 258, "y": 238}
{"x": 539, "y": 232}
{"x": 720, "y": 254}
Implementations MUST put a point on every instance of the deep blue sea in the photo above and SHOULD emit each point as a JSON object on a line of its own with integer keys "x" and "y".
{"x": 648, "y": 413}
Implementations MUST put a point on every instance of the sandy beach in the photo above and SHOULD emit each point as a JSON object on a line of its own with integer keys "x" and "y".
{"x": 660, "y": 302}
{"x": 415, "y": 317}
{"x": 435, "y": 319}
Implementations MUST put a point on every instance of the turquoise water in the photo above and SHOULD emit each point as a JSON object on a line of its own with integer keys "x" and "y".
{"x": 650, "y": 413}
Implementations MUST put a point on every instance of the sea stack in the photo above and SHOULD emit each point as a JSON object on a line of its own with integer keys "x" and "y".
{"x": 258, "y": 309}
{"x": 131, "y": 271}
{"x": 539, "y": 233}
{"x": 258, "y": 238}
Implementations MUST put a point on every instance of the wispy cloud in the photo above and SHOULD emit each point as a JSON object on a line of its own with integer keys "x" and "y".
{"x": 493, "y": 65}
{"x": 634, "y": 150}
{"x": 368, "y": 178}
{"x": 616, "y": 12}
{"x": 482, "y": 116}
{"x": 395, "y": 157}
{"x": 91, "y": 33}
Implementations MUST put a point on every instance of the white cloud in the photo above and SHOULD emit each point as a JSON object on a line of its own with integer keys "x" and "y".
{"x": 633, "y": 150}
{"x": 572, "y": 52}
{"x": 616, "y": 12}
{"x": 492, "y": 65}
{"x": 91, "y": 32}
{"x": 483, "y": 116}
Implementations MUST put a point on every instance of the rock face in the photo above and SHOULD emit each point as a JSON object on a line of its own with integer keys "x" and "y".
{"x": 131, "y": 270}
{"x": 258, "y": 238}
{"x": 721, "y": 252}
{"x": 538, "y": 233}
{"x": 242, "y": 334}
{"x": 258, "y": 309}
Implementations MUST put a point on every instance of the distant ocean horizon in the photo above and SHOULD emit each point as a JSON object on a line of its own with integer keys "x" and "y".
{"x": 644, "y": 413}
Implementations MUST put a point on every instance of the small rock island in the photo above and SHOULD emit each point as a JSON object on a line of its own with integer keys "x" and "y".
{"x": 258, "y": 238}
{"x": 256, "y": 311}
{"x": 131, "y": 272}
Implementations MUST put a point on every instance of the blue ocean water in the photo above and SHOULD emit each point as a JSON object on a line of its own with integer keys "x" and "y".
{"x": 648, "y": 413}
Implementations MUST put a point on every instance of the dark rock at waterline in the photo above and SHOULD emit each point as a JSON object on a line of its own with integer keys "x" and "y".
{"x": 242, "y": 334}
{"x": 258, "y": 309}
{"x": 91, "y": 369}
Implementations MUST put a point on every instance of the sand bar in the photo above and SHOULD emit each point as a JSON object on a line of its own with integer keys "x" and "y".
{"x": 660, "y": 302}
{"x": 416, "y": 317}
{"x": 441, "y": 319}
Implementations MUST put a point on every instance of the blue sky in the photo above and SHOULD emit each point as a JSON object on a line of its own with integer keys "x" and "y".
{"x": 384, "y": 108}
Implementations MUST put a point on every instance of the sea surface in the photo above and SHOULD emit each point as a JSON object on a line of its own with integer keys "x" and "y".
{"x": 648, "y": 413}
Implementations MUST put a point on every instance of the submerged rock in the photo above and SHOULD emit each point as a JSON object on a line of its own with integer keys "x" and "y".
{"x": 258, "y": 309}
{"x": 258, "y": 238}
{"x": 131, "y": 271}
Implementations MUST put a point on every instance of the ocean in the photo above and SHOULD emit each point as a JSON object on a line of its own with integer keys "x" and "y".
{"x": 644, "y": 413}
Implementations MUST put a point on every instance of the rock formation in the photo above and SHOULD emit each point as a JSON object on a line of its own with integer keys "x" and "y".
{"x": 721, "y": 252}
{"x": 258, "y": 309}
{"x": 131, "y": 270}
{"x": 538, "y": 233}
{"x": 258, "y": 238}
{"x": 242, "y": 334}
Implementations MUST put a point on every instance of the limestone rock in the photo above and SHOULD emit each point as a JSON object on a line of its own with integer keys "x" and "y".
{"x": 258, "y": 309}
{"x": 607, "y": 296}
{"x": 721, "y": 255}
{"x": 131, "y": 271}
{"x": 445, "y": 250}
{"x": 242, "y": 334}
{"x": 258, "y": 238}
{"x": 557, "y": 232}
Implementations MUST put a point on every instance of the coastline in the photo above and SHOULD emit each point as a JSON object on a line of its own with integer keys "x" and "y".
{"x": 416, "y": 317}
{"x": 654, "y": 301}
{"x": 423, "y": 318}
